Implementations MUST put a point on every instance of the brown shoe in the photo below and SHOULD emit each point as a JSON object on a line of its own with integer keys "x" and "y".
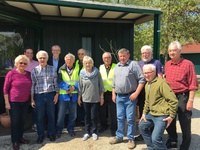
{"x": 131, "y": 144}
{"x": 115, "y": 140}
{"x": 15, "y": 146}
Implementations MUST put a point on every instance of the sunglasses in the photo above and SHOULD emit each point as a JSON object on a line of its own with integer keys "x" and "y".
{"x": 22, "y": 63}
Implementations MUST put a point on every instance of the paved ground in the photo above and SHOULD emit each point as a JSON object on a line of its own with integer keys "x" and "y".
{"x": 68, "y": 143}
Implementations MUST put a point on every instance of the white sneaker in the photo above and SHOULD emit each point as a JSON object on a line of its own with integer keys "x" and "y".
{"x": 86, "y": 136}
{"x": 94, "y": 136}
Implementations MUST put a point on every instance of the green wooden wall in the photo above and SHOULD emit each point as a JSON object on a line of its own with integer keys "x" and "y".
{"x": 68, "y": 36}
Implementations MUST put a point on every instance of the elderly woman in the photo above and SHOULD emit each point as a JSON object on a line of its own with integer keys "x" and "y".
{"x": 91, "y": 89}
{"x": 44, "y": 95}
{"x": 17, "y": 87}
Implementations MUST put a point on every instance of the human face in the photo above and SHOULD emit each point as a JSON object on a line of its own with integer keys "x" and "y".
{"x": 81, "y": 54}
{"x": 123, "y": 57}
{"x": 42, "y": 59}
{"x": 146, "y": 55}
{"x": 69, "y": 61}
{"x": 56, "y": 52}
{"x": 149, "y": 74}
{"x": 174, "y": 53}
{"x": 88, "y": 66}
{"x": 107, "y": 59}
{"x": 29, "y": 53}
{"x": 22, "y": 64}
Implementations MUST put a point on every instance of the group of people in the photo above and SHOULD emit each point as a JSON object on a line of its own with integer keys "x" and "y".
{"x": 55, "y": 86}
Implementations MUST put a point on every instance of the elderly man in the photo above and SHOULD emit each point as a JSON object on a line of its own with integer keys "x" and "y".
{"x": 79, "y": 66}
{"x": 44, "y": 95}
{"x": 180, "y": 74}
{"x": 79, "y": 62}
{"x": 68, "y": 95}
{"x": 146, "y": 52}
{"x": 55, "y": 59}
{"x": 127, "y": 84}
{"x": 159, "y": 110}
{"x": 107, "y": 74}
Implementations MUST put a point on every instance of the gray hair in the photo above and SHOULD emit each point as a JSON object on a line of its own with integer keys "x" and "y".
{"x": 18, "y": 58}
{"x": 69, "y": 55}
{"x": 42, "y": 52}
{"x": 123, "y": 50}
{"x": 88, "y": 58}
{"x": 153, "y": 67}
{"x": 146, "y": 47}
{"x": 56, "y": 46}
{"x": 107, "y": 53}
{"x": 177, "y": 43}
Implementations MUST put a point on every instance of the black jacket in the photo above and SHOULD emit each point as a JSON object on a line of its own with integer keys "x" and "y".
{"x": 60, "y": 62}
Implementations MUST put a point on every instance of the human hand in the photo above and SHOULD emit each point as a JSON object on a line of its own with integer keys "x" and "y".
{"x": 189, "y": 105}
{"x": 169, "y": 120}
{"x": 143, "y": 118}
{"x": 133, "y": 96}
{"x": 101, "y": 101}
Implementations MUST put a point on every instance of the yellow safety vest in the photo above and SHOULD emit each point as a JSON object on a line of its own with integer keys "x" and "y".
{"x": 72, "y": 81}
{"x": 77, "y": 65}
{"x": 107, "y": 79}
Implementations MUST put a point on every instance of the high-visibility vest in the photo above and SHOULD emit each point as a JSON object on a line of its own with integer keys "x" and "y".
{"x": 107, "y": 79}
{"x": 71, "y": 81}
{"x": 77, "y": 67}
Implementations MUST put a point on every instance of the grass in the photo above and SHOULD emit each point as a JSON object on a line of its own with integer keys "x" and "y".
{"x": 198, "y": 91}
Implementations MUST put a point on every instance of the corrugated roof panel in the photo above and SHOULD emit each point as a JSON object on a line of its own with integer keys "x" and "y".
{"x": 21, "y": 5}
{"x": 91, "y": 13}
{"x": 112, "y": 15}
{"x": 47, "y": 9}
{"x": 70, "y": 11}
{"x": 132, "y": 16}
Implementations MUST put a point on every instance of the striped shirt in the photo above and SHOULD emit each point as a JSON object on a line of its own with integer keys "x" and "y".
{"x": 44, "y": 80}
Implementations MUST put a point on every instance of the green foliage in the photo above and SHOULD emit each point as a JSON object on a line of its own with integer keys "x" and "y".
{"x": 180, "y": 21}
{"x": 198, "y": 91}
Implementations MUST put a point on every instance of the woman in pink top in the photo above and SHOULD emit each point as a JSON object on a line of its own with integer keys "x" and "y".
{"x": 17, "y": 87}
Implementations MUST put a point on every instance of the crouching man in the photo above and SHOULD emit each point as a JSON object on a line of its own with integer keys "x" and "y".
{"x": 159, "y": 109}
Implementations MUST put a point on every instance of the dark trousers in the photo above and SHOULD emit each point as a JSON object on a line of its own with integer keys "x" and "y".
{"x": 108, "y": 103}
{"x": 141, "y": 101}
{"x": 80, "y": 113}
{"x": 18, "y": 114}
{"x": 91, "y": 116}
{"x": 184, "y": 117}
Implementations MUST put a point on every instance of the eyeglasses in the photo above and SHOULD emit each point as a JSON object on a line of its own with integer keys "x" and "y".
{"x": 42, "y": 58}
{"x": 80, "y": 53}
{"x": 22, "y": 63}
{"x": 148, "y": 73}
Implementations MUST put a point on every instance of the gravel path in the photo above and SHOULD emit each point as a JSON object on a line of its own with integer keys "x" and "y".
{"x": 68, "y": 143}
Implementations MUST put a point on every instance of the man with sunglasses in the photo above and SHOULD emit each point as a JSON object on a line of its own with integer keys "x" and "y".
{"x": 79, "y": 66}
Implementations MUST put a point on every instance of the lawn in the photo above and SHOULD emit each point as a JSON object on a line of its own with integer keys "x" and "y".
{"x": 198, "y": 91}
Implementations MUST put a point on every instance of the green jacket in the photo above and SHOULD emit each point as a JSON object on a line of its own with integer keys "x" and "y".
{"x": 160, "y": 99}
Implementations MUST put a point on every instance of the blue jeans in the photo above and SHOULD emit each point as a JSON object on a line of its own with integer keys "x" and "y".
{"x": 62, "y": 108}
{"x": 44, "y": 103}
{"x": 91, "y": 116}
{"x": 126, "y": 109}
{"x": 153, "y": 139}
{"x": 18, "y": 113}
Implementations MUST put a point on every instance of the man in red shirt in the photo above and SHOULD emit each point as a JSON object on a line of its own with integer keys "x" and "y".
{"x": 180, "y": 74}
